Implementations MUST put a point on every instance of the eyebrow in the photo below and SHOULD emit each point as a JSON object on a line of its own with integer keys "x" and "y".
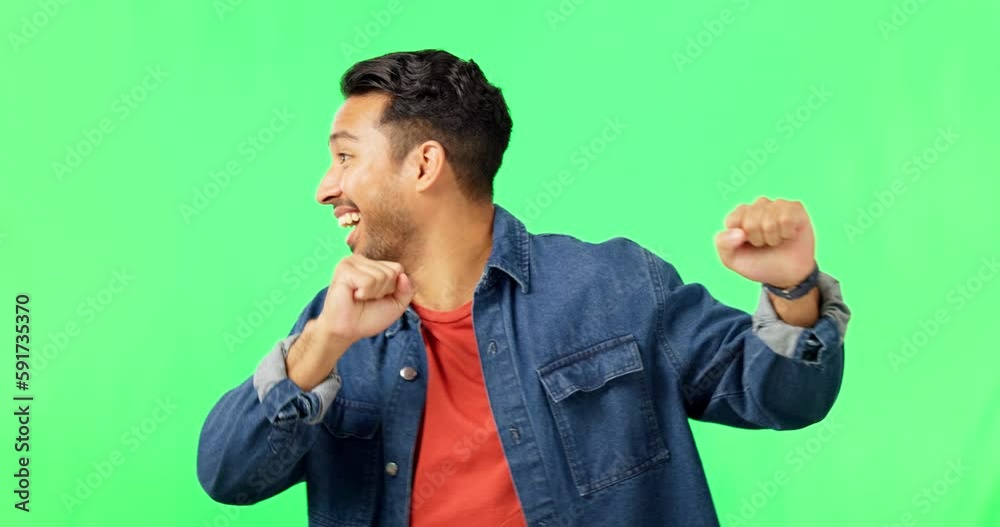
{"x": 342, "y": 135}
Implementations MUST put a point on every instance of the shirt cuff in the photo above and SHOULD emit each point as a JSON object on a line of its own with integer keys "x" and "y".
{"x": 805, "y": 343}
{"x": 281, "y": 398}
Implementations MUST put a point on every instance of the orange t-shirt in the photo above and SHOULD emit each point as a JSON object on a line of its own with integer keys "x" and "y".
{"x": 461, "y": 475}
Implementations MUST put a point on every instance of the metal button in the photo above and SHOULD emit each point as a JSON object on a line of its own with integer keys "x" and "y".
{"x": 391, "y": 469}
{"x": 408, "y": 373}
{"x": 492, "y": 348}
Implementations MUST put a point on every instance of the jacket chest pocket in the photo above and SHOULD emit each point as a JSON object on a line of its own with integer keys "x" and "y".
{"x": 602, "y": 408}
{"x": 344, "y": 465}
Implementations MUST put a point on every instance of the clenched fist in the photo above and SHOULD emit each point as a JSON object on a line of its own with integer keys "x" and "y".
{"x": 769, "y": 241}
{"x": 365, "y": 297}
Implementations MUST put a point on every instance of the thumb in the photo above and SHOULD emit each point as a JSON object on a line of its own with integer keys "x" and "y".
{"x": 404, "y": 290}
{"x": 729, "y": 240}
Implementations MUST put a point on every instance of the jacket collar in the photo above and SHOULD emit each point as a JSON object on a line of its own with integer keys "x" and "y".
{"x": 509, "y": 255}
{"x": 510, "y": 250}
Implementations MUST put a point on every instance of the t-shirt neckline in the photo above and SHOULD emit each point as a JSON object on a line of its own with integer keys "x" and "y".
{"x": 453, "y": 315}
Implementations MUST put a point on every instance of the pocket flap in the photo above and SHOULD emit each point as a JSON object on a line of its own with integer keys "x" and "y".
{"x": 591, "y": 368}
{"x": 347, "y": 418}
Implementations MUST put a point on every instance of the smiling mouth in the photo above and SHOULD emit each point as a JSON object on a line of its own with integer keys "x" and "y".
{"x": 349, "y": 219}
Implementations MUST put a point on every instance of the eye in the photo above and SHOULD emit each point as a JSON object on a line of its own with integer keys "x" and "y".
{"x": 343, "y": 157}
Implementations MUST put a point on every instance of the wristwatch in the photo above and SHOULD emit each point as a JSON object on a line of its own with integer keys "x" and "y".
{"x": 797, "y": 291}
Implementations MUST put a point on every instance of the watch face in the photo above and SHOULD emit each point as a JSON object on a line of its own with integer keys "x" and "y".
{"x": 783, "y": 293}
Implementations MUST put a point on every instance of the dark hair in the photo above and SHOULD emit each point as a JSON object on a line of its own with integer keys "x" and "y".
{"x": 437, "y": 96}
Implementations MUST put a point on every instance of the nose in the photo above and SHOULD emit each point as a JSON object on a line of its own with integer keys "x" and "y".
{"x": 329, "y": 187}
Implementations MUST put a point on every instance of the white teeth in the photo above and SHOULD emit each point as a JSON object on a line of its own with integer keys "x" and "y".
{"x": 349, "y": 219}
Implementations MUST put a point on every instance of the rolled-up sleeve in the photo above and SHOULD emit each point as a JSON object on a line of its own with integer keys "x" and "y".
{"x": 282, "y": 399}
{"x": 807, "y": 344}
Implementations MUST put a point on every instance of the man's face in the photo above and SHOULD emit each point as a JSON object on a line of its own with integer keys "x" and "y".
{"x": 364, "y": 178}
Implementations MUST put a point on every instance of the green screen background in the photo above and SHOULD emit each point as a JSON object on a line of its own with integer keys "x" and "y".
{"x": 615, "y": 110}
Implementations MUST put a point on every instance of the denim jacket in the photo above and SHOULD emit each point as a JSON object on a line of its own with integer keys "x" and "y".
{"x": 594, "y": 357}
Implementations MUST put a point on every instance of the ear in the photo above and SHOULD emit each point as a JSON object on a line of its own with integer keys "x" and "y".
{"x": 428, "y": 159}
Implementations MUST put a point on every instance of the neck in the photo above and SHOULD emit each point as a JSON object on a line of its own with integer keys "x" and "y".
{"x": 456, "y": 244}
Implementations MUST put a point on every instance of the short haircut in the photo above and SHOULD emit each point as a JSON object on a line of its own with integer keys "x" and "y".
{"x": 437, "y": 96}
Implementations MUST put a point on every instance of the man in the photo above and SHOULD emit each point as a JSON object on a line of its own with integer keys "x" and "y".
{"x": 459, "y": 371}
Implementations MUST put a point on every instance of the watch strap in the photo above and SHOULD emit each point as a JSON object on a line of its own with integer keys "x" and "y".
{"x": 799, "y": 290}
